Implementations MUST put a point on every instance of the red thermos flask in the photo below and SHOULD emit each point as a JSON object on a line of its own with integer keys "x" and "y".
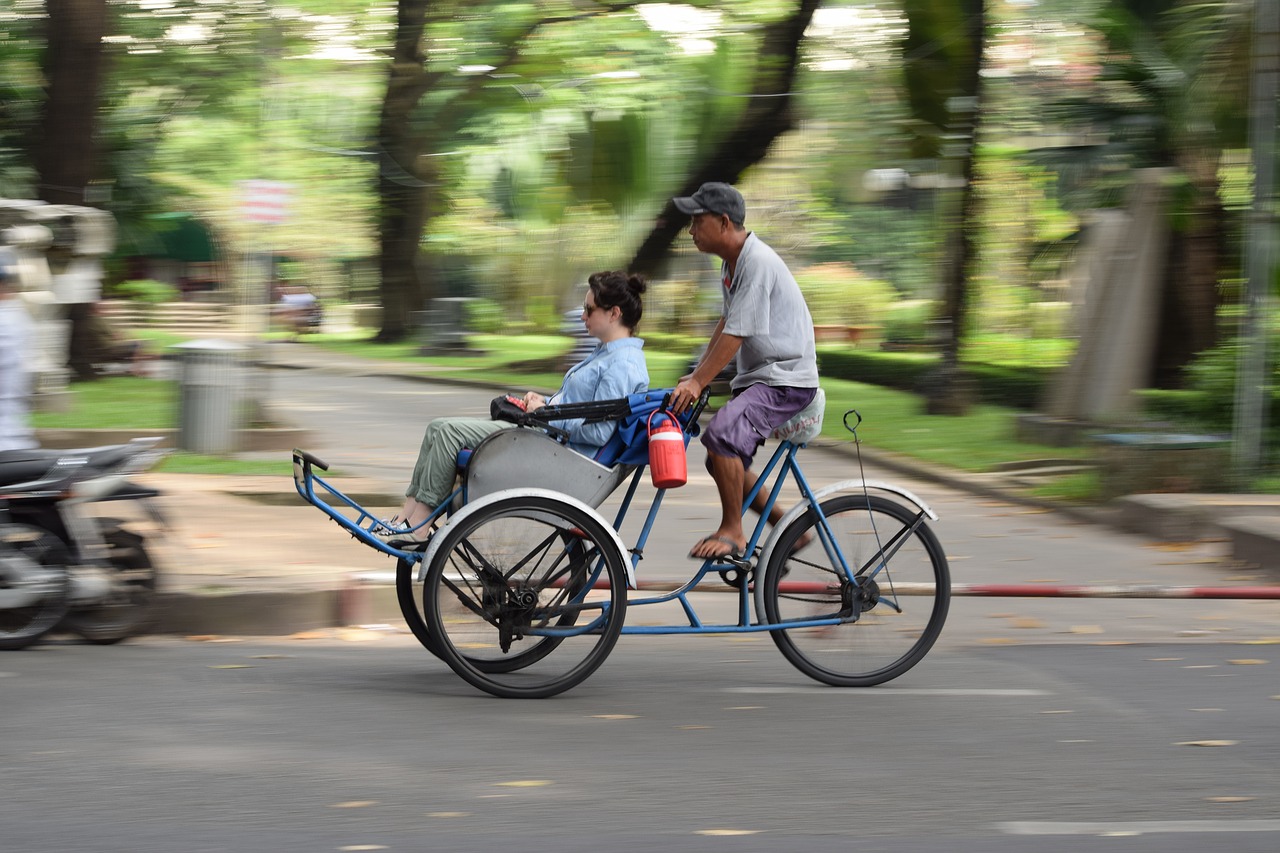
{"x": 667, "y": 466}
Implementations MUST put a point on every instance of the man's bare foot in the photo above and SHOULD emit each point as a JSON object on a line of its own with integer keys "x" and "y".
{"x": 717, "y": 546}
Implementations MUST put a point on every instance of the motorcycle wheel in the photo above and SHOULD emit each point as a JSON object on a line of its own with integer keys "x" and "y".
{"x": 127, "y": 611}
{"x": 32, "y": 562}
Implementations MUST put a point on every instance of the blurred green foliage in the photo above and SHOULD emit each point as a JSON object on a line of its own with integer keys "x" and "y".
{"x": 838, "y": 294}
{"x": 144, "y": 290}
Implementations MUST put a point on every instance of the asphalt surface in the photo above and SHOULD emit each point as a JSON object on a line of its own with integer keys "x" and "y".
{"x": 367, "y": 743}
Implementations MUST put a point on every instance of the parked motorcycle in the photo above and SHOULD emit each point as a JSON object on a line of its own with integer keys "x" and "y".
{"x": 61, "y": 562}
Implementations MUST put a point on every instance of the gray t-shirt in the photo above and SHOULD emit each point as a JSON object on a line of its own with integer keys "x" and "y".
{"x": 763, "y": 306}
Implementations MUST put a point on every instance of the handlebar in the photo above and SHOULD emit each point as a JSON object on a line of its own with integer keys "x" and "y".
{"x": 696, "y": 411}
{"x": 309, "y": 459}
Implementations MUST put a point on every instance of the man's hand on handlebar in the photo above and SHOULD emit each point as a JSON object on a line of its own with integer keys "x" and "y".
{"x": 685, "y": 394}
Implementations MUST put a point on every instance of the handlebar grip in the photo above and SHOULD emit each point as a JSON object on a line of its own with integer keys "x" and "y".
{"x": 310, "y": 459}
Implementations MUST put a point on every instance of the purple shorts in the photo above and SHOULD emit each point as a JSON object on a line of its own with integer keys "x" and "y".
{"x": 743, "y": 423}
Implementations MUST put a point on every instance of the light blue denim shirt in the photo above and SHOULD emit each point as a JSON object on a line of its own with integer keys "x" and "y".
{"x": 612, "y": 370}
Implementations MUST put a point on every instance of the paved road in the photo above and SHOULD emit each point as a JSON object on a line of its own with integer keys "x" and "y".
{"x": 676, "y": 744}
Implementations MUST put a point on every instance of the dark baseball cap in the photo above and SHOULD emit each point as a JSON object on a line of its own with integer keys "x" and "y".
{"x": 714, "y": 197}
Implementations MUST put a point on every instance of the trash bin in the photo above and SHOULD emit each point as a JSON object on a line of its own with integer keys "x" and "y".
{"x": 442, "y": 328}
{"x": 209, "y": 380}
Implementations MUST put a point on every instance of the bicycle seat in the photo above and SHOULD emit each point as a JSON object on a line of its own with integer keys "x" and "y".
{"x": 805, "y": 425}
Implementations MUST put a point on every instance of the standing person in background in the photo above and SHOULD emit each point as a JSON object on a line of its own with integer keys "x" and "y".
{"x": 15, "y": 343}
{"x": 766, "y": 325}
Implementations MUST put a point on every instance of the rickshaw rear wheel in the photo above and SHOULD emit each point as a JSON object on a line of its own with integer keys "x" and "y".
{"x": 522, "y": 578}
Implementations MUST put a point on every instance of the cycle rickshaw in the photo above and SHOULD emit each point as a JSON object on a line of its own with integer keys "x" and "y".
{"x": 523, "y": 587}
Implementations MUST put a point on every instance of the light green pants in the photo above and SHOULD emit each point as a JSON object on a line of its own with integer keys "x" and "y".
{"x": 437, "y": 464}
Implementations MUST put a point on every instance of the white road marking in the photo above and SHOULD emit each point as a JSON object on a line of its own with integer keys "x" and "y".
{"x": 894, "y": 691}
{"x": 1135, "y": 827}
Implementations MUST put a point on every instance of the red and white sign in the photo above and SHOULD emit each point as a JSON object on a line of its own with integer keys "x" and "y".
{"x": 266, "y": 201}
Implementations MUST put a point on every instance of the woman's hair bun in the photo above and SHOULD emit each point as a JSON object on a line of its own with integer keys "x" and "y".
{"x": 637, "y": 284}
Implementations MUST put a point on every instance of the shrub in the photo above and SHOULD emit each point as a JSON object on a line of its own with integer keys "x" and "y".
{"x": 1050, "y": 319}
{"x": 839, "y": 295}
{"x": 146, "y": 290}
{"x": 907, "y": 321}
{"x": 1020, "y": 387}
{"x": 484, "y": 316}
{"x": 676, "y": 306}
{"x": 902, "y": 371}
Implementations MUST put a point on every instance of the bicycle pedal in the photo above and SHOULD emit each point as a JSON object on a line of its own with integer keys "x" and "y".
{"x": 735, "y": 576}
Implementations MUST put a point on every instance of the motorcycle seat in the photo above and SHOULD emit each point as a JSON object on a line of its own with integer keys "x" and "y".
{"x": 23, "y": 466}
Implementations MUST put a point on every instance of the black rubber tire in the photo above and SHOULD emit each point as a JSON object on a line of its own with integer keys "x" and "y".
{"x": 130, "y": 611}
{"x": 885, "y": 641}
{"x": 408, "y": 599}
{"x": 22, "y": 549}
{"x": 551, "y": 553}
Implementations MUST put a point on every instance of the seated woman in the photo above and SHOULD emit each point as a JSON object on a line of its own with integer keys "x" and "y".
{"x": 615, "y": 368}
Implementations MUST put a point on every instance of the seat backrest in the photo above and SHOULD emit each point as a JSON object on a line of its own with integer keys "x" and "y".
{"x": 805, "y": 425}
{"x": 512, "y": 458}
{"x": 629, "y": 444}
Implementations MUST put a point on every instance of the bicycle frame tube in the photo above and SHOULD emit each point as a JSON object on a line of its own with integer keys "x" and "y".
{"x": 784, "y": 461}
{"x": 306, "y": 481}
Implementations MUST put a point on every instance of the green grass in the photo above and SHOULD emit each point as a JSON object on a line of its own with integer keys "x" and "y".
{"x": 158, "y": 340}
{"x": 895, "y": 421}
{"x": 1014, "y": 351}
{"x": 1080, "y": 488}
{"x": 490, "y": 350}
{"x": 116, "y": 402}
{"x": 518, "y": 362}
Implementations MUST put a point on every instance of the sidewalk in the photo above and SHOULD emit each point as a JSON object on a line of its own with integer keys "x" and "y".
{"x": 246, "y": 555}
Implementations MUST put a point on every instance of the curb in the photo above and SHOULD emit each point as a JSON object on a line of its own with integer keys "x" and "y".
{"x": 275, "y": 613}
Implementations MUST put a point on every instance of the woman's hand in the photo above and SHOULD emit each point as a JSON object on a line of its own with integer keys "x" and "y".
{"x": 533, "y": 401}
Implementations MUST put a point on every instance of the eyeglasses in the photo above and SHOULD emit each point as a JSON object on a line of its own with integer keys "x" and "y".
{"x": 589, "y": 309}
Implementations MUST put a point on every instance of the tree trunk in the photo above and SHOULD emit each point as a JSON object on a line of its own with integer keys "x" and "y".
{"x": 769, "y": 115}
{"x": 1188, "y": 308}
{"x": 943, "y": 61}
{"x": 403, "y": 193}
{"x": 949, "y": 391}
{"x": 66, "y": 156}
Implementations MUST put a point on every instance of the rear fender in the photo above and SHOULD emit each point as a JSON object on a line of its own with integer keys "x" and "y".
{"x": 475, "y": 506}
